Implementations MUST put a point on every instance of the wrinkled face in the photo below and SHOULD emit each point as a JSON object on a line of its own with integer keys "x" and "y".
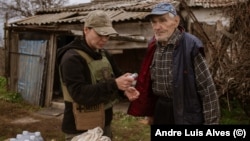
{"x": 164, "y": 26}
{"x": 94, "y": 40}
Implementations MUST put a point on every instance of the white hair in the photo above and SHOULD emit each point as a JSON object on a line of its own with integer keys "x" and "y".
{"x": 171, "y": 15}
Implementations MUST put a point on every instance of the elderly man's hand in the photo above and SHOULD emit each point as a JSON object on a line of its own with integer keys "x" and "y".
{"x": 131, "y": 93}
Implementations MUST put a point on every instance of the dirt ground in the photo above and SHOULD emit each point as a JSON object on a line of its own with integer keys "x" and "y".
{"x": 16, "y": 118}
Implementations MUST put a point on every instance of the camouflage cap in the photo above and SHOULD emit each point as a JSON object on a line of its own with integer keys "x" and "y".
{"x": 100, "y": 22}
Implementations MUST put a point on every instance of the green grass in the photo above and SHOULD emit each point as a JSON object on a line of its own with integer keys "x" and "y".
{"x": 233, "y": 114}
{"x": 2, "y": 85}
{"x": 6, "y": 95}
{"x": 126, "y": 127}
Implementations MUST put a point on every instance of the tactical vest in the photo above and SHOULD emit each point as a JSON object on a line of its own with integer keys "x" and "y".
{"x": 100, "y": 71}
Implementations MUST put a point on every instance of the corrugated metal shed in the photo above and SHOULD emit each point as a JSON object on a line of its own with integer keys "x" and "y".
{"x": 119, "y": 11}
{"x": 213, "y": 3}
{"x": 46, "y": 18}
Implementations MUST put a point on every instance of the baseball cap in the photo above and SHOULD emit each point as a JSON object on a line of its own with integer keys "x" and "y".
{"x": 100, "y": 22}
{"x": 162, "y": 8}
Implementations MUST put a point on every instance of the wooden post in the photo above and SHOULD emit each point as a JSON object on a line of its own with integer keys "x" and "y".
{"x": 6, "y": 48}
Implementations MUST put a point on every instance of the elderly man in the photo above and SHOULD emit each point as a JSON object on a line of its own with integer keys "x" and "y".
{"x": 174, "y": 82}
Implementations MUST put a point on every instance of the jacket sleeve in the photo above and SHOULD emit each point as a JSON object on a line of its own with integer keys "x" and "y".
{"x": 117, "y": 71}
{"x": 76, "y": 76}
{"x": 206, "y": 88}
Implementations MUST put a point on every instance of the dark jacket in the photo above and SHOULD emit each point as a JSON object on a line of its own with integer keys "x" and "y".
{"x": 187, "y": 102}
{"x": 76, "y": 76}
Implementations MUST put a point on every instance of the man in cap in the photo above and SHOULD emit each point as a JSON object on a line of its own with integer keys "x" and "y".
{"x": 174, "y": 82}
{"x": 89, "y": 76}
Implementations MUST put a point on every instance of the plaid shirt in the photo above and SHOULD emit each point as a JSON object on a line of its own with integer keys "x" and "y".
{"x": 162, "y": 78}
{"x": 161, "y": 68}
{"x": 207, "y": 90}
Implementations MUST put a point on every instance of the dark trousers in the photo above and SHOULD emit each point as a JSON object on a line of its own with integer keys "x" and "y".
{"x": 163, "y": 113}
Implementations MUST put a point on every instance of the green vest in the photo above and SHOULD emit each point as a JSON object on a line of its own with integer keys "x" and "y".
{"x": 100, "y": 71}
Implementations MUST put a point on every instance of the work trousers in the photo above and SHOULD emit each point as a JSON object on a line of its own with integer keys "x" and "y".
{"x": 164, "y": 113}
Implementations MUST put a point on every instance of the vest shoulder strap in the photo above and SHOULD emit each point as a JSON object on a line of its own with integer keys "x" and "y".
{"x": 84, "y": 55}
{"x": 66, "y": 95}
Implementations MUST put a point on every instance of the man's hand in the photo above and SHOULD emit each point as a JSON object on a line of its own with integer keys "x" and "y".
{"x": 131, "y": 93}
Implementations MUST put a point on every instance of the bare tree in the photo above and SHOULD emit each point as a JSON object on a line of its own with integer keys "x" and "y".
{"x": 26, "y": 8}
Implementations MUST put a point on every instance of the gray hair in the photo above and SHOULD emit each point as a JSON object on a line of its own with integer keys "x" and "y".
{"x": 171, "y": 15}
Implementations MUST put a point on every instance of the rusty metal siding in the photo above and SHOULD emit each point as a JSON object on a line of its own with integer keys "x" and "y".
{"x": 31, "y": 69}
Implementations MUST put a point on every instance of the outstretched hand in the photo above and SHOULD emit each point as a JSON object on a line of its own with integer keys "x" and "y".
{"x": 131, "y": 93}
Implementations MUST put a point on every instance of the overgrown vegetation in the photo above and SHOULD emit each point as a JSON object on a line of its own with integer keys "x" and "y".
{"x": 235, "y": 65}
